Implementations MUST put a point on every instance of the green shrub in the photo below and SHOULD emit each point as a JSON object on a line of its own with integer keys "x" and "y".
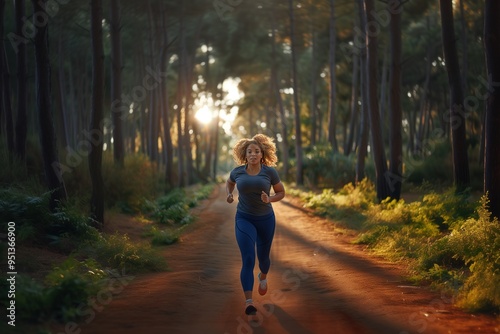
{"x": 66, "y": 287}
{"x": 347, "y": 206}
{"x": 162, "y": 236}
{"x": 35, "y": 223}
{"x": 173, "y": 208}
{"x": 325, "y": 168}
{"x": 433, "y": 165}
{"x": 477, "y": 243}
{"x": 127, "y": 186}
{"x": 200, "y": 194}
{"x": 117, "y": 251}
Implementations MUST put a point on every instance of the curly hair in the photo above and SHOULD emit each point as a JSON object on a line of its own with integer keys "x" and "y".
{"x": 266, "y": 144}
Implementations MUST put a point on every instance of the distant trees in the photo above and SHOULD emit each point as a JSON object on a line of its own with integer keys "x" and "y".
{"x": 313, "y": 76}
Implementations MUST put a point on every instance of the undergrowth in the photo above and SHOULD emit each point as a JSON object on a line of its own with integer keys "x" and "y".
{"x": 95, "y": 262}
{"x": 446, "y": 239}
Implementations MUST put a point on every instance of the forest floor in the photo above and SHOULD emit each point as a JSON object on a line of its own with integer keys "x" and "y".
{"x": 319, "y": 282}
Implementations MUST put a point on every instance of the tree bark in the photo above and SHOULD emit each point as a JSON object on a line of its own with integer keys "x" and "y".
{"x": 279, "y": 101}
{"x": 364, "y": 127}
{"x": 332, "y": 137}
{"x": 7, "y": 105}
{"x": 492, "y": 121}
{"x": 2, "y": 76}
{"x": 383, "y": 105}
{"x": 188, "y": 98}
{"x": 96, "y": 130}
{"x": 181, "y": 91}
{"x": 116, "y": 81}
{"x": 62, "y": 95}
{"x": 22, "y": 95}
{"x": 296, "y": 106}
{"x": 457, "y": 116}
{"x": 424, "y": 102}
{"x": 314, "y": 102}
{"x": 383, "y": 190}
{"x": 348, "y": 146}
{"x": 165, "y": 107}
{"x": 53, "y": 174}
{"x": 153, "y": 128}
{"x": 395, "y": 175}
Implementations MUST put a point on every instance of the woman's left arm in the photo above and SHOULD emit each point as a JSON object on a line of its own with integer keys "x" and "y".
{"x": 279, "y": 192}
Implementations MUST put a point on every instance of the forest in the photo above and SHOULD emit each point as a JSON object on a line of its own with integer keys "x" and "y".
{"x": 110, "y": 105}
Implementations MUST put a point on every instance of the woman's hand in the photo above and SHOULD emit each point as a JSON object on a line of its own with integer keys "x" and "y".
{"x": 265, "y": 197}
{"x": 229, "y": 191}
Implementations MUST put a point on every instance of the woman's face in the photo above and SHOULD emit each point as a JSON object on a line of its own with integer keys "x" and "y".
{"x": 254, "y": 154}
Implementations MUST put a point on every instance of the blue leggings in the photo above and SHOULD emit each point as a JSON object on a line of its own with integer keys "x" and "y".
{"x": 251, "y": 231}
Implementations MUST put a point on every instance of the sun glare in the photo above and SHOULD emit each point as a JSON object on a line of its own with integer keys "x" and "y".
{"x": 225, "y": 110}
{"x": 204, "y": 115}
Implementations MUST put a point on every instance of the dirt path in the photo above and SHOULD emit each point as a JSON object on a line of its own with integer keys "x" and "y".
{"x": 318, "y": 283}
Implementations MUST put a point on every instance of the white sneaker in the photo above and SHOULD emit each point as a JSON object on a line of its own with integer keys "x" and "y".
{"x": 262, "y": 286}
{"x": 250, "y": 308}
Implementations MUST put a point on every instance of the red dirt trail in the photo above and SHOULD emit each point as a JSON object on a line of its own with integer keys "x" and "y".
{"x": 318, "y": 283}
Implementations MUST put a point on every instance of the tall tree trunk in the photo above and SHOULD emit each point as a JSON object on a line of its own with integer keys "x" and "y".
{"x": 22, "y": 95}
{"x": 296, "y": 106}
{"x": 492, "y": 122}
{"x": 7, "y": 105}
{"x": 181, "y": 92}
{"x": 383, "y": 190}
{"x": 364, "y": 127}
{"x": 463, "y": 38}
{"x": 215, "y": 146}
{"x": 457, "y": 117}
{"x": 153, "y": 93}
{"x": 383, "y": 105}
{"x": 395, "y": 174}
{"x": 332, "y": 138}
{"x": 43, "y": 97}
{"x": 314, "y": 102}
{"x": 165, "y": 107}
{"x": 62, "y": 94}
{"x": 354, "y": 105}
{"x": 2, "y": 76}
{"x": 279, "y": 101}
{"x": 423, "y": 100}
{"x": 116, "y": 81}
{"x": 188, "y": 118}
{"x": 96, "y": 130}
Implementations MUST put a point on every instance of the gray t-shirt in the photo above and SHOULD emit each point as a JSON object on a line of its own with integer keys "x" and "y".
{"x": 250, "y": 188}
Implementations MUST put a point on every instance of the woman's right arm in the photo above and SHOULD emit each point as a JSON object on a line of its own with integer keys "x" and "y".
{"x": 229, "y": 190}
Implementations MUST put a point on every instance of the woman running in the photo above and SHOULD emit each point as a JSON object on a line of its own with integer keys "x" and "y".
{"x": 255, "y": 220}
